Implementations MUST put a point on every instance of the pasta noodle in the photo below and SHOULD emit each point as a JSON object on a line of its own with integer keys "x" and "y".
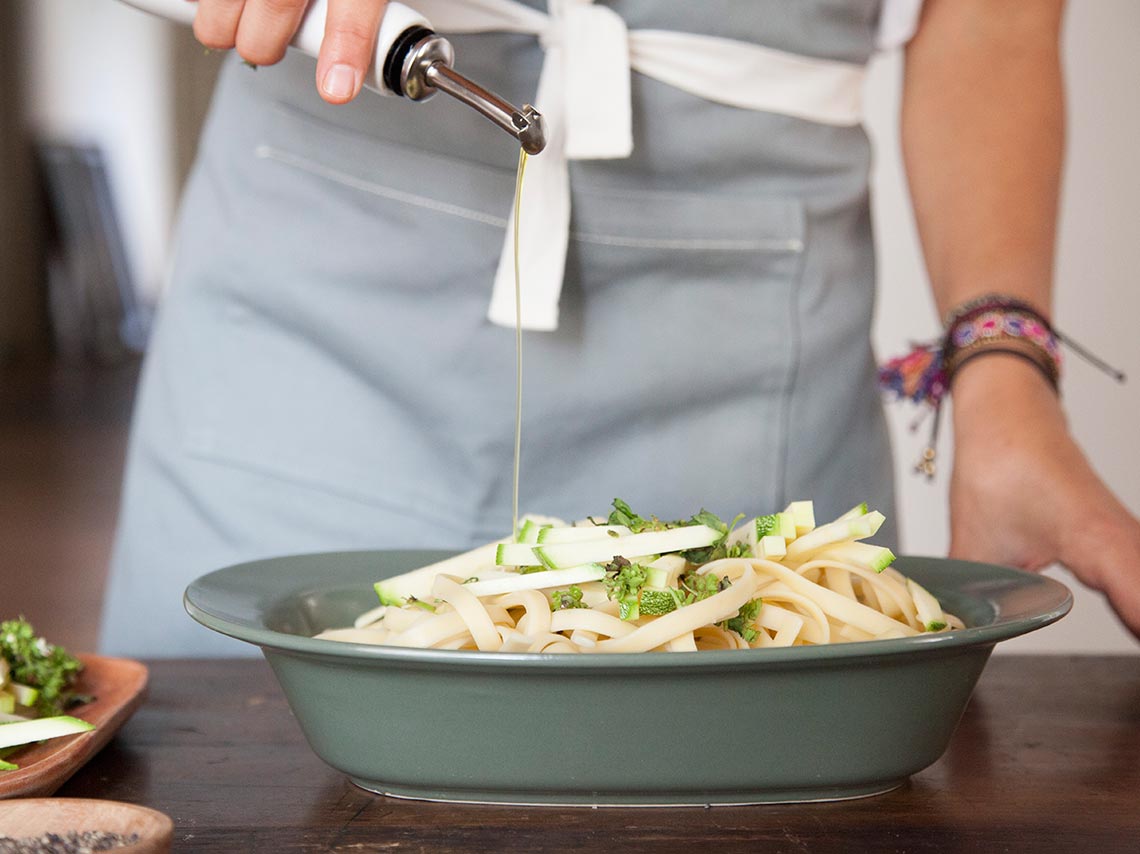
{"x": 831, "y": 589}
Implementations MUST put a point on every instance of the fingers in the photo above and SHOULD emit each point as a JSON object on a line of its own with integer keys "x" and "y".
{"x": 347, "y": 51}
{"x": 1110, "y": 562}
{"x": 260, "y": 29}
{"x": 266, "y": 28}
{"x": 1124, "y": 596}
{"x": 1126, "y": 603}
{"x": 216, "y": 23}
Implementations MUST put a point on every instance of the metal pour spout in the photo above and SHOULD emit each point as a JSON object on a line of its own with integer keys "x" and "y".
{"x": 525, "y": 124}
{"x": 426, "y": 67}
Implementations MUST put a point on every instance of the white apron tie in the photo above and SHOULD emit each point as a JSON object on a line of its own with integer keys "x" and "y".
{"x": 584, "y": 96}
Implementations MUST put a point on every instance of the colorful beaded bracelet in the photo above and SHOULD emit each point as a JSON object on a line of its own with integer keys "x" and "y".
{"x": 992, "y": 323}
{"x": 991, "y": 328}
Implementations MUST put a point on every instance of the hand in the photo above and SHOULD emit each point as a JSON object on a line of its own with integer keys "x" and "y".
{"x": 1022, "y": 493}
{"x": 262, "y": 29}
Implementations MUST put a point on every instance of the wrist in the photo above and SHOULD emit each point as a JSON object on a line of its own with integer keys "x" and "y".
{"x": 1003, "y": 391}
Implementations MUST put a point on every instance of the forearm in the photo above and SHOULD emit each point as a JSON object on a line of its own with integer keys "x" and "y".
{"x": 983, "y": 137}
{"x": 983, "y": 134}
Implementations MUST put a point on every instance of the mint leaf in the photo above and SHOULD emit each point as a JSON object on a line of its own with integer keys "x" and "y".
{"x": 744, "y": 623}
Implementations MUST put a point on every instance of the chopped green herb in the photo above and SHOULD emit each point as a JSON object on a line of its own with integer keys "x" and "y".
{"x": 718, "y": 549}
{"x": 623, "y": 515}
{"x": 623, "y": 578}
{"x": 744, "y": 623}
{"x": 738, "y": 550}
{"x": 561, "y": 600}
{"x": 623, "y": 582}
{"x": 710, "y": 519}
{"x": 39, "y": 664}
{"x": 696, "y": 587}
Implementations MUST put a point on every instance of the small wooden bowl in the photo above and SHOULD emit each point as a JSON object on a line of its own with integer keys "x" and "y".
{"x": 33, "y": 817}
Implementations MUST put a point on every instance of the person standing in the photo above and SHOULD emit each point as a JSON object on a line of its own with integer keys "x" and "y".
{"x": 325, "y": 374}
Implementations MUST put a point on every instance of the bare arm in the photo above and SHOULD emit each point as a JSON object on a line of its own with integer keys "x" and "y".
{"x": 983, "y": 137}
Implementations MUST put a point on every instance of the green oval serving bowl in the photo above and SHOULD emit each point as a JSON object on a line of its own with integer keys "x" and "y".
{"x": 724, "y": 727}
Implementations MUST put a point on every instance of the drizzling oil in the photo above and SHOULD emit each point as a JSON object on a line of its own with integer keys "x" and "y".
{"x": 518, "y": 348}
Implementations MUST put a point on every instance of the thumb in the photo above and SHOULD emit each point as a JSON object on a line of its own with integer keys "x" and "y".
{"x": 348, "y": 47}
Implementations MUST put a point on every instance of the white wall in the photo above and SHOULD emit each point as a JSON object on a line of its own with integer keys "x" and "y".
{"x": 1097, "y": 298}
{"x": 99, "y": 72}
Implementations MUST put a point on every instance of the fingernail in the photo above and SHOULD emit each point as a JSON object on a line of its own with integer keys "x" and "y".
{"x": 340, "y": 81}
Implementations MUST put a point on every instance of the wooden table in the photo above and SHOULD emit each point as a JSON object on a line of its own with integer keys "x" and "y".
{"x": 1047, "y": 758}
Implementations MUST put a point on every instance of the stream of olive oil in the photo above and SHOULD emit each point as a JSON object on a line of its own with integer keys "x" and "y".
{"x": 518, "y": 349}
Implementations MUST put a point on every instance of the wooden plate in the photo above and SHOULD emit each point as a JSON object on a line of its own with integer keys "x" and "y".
{"x": 118, "y": 686}
{"x": 33, "y": 817}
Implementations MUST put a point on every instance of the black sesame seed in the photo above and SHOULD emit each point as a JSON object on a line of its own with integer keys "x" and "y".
{"x": 72, "y": 842}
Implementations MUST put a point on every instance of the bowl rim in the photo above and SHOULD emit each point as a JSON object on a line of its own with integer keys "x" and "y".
{"x": 1053, "y": 602}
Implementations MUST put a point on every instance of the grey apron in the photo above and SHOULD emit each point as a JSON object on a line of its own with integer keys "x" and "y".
{"x": 323, "y": 377}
